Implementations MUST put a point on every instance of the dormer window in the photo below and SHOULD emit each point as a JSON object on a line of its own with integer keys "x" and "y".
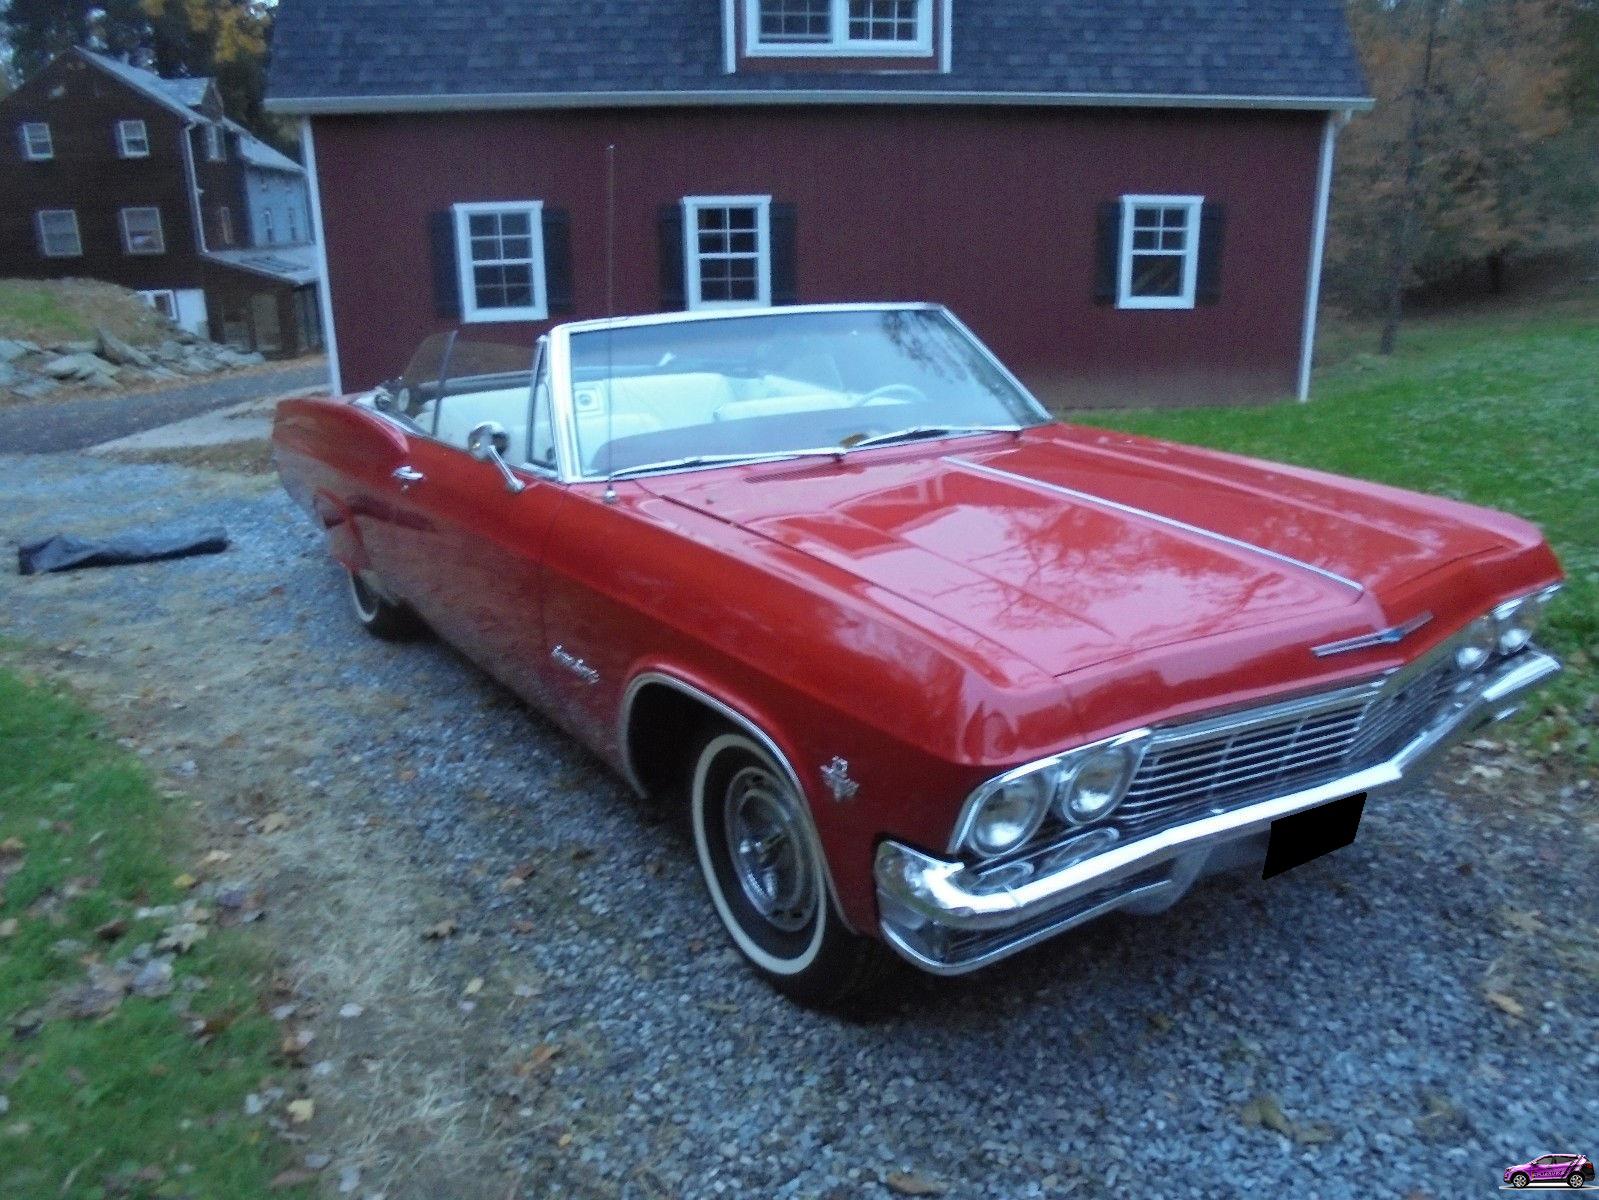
{"x": 825, "y": 28}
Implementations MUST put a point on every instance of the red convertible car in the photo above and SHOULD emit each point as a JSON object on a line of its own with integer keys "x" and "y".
{"x": 925, "y": 666}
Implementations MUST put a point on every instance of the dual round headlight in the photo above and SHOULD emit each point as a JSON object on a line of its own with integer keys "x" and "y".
{"x": 1516, "y": 621}
{"x": 1081, "y": 787}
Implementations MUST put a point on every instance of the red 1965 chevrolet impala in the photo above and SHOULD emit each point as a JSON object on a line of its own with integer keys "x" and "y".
{"x": 926, "y": 667}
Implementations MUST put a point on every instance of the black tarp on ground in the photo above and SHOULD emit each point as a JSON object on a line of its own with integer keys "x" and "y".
{"x": 66, "y": 553}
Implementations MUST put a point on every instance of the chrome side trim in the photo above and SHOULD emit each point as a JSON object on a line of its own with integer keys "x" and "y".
{"x": 918, "y": 892}
{"x": 764, "y": 740}
{"x": 1382, "y": 637}
{"x": 1158, "y": 518}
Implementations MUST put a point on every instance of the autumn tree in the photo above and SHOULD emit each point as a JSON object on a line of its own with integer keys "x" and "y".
{"x": 1466, "y": 157}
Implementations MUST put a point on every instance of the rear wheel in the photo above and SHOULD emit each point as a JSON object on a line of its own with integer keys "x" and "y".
{"x": 1574, "y": 1179}
{"x": 379, "y": 617}
{"x": 763, "y": 868}
{"x": 1519, "y": 1179}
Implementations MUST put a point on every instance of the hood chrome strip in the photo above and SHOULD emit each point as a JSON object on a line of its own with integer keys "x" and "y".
{"x": 1393, "y": 635}
{"x": 1173, "y": 522}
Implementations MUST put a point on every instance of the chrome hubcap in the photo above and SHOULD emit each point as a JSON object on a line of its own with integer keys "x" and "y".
{"x": 766, "y": 845}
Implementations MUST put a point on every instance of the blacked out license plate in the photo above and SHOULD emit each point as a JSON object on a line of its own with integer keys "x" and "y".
{"x": 1297, "y": 839}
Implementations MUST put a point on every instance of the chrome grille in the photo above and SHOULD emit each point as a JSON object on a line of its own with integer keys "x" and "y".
{"x": 1223, "y": 763}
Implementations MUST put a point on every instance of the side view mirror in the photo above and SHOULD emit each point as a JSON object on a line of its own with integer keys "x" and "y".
{"x": 488, "y": 443}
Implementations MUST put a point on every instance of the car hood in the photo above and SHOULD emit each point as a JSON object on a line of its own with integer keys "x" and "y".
{"x": 1071, "y": 546}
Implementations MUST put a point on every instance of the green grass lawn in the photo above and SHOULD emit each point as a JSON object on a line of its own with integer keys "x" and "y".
{"x": 1499, "y": 407}
{"x": 146, "y": 1100}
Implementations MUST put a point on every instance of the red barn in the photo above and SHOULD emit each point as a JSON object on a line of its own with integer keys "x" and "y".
{"x": 1125, "y": 198}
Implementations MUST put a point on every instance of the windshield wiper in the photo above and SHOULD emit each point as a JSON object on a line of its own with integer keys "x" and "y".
{"x": 716, "y": 460}
{"x": 917, "y": 432}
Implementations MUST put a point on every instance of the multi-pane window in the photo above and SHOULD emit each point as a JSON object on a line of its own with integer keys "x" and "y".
{"x": 141, "y": 231}
{"x": 727, "y": 247}
{"x": 36, "y": 141}
{"x": 164, "y": 301}
{"x": 268, "y": 234}
{"x": 294, "y": 223}
{"x": 1159, "y": 251}
{"x": 58, "y": 233}
{"x": 840, "y": 26}
{"x": 499, "y": 252}
{"x": 133, "y": 139}
{"x": 883, "y": 21}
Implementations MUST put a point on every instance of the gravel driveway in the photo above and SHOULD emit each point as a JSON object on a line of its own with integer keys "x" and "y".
{"x": 1404, "y": 1018}
{"x": 53, "y": 425}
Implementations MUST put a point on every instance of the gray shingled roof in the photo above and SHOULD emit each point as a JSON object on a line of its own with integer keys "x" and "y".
{"x": 354, "y": 55}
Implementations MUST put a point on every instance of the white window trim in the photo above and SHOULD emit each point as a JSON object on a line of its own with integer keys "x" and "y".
{"x": 225, "y": 222}
{"x": 26, "y": 134}
{"x": 160, "y": 231}
{"x": 1124, "y": 267}
{"x": 268, "y": 234}
{"x": 215, "y": 149}
{"x": 539, "y": 310}
{"x": 44, "y": 242}
{"x": 691, "y": 250}
{"x": 841, "y": 45}
{"x": 124, "y": 128}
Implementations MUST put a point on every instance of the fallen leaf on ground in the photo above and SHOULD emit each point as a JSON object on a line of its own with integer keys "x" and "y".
{"x": 1265, "y": 1111}
{"x": 439, "y": 930}
{"x": 185, "y": 881}
{"x": 351, "y": 1010}
{"x": 908, "y": 1183}
{"x": 349, "y": 1179}
{"x": 1508, "y": 1005}
{"x": 473, "y": 986}
{"x": 1527, "y": 922}
{"x": 215, "y": 857}
{"x": 111, "y": 930}
{"x": 8, "y": 927}
{"x": 301, "y": 1111}
{"x": 273, "y": 822}
{"x": 13, "y": 845}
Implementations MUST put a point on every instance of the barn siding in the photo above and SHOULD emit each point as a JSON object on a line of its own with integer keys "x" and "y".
{"x": 991, "y": 211}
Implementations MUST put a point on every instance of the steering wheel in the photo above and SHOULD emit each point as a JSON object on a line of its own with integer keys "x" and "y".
{"x": 908, "y": 392}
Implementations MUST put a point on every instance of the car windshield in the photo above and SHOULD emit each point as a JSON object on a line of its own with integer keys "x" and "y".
{"x": 700, "y": 392}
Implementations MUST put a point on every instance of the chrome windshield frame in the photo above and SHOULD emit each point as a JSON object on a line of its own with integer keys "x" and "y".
{"x": 563, "y": 406}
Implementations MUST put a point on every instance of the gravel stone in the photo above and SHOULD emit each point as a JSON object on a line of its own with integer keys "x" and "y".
{"x": 1349, "y": 991}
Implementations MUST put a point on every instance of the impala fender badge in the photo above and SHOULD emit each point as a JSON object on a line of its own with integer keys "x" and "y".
{"x": 576, "y": 665}
{"x": 1383, "y": 637}
{"x": 836, "y": 775}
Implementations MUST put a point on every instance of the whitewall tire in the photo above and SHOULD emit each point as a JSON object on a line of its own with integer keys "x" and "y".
{"x": 763, "y": 868}
{"x": 380, "y": 617}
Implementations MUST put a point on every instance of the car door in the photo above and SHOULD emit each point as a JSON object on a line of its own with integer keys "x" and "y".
{"x": 1543, "y": 1167}
{"x": 472, "y": 550}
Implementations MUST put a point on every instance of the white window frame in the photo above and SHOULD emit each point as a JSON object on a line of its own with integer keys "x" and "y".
{"x": 27, "y": 130}
{"x": 160, "y": 231}
{"x": 1124, "y": 266}
{"x": 839, "y": 43}
{"x": 215, "y": 149}
{"x": 470, "y": 311}
{"x": 153, "y": 299}
{"x": 225, "y": 221}
{"x": 44, "y": 241}
{"x": 691, "y": 250}
{"x": 293, "y": 222}
{"x": 268, "y": 233}
{"x": 133, "y": 138}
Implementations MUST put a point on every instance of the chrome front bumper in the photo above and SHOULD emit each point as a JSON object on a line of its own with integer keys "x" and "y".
{"x": 944, "y": 918}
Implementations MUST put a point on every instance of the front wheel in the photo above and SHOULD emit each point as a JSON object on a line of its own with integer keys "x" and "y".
{"x": 381, "y": 618}
{"x": 1519, "y": 1179}
{"x": 763, "y": 868}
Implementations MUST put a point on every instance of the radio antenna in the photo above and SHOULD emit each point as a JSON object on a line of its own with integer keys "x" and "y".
{"x": 610, "y": 317}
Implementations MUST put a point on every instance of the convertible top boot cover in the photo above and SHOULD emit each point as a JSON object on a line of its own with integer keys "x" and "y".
{"x": 65, "y": 553}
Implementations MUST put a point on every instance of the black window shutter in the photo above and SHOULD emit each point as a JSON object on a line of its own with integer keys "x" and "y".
{"x": 446, "y": 281}
{"x": 1107, "y": 251}
{"x": 1212, "y": 237}
{"x": 784, "y": 254}
{"x": 558, "y": 260}
{"x": 671, "y": 225}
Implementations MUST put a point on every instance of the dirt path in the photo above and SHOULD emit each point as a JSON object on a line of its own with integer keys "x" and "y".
{"x": 49, "y": 426}
{"x": 575, "y": 1026}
